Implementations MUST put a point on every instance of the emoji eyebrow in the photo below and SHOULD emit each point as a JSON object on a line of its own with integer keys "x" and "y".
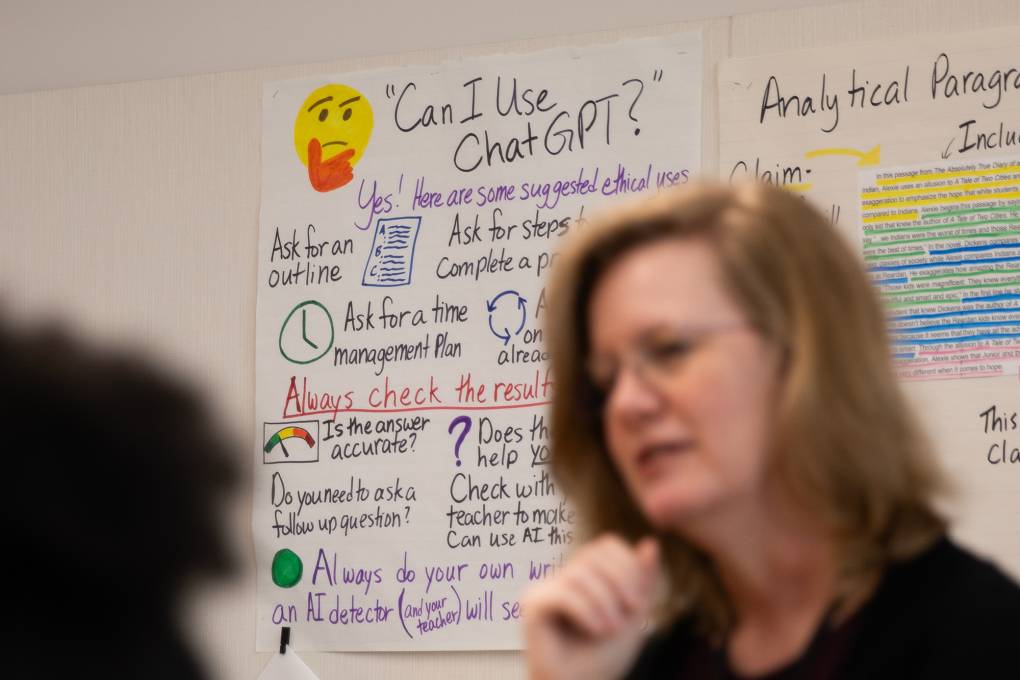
{"x": 321, "y": 101}
{"x": 348, "y": 101}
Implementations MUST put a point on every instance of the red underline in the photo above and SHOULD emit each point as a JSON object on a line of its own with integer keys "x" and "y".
{"x": 414, "y": 408}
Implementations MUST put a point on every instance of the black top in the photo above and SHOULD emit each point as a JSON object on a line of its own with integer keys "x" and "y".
{"x": 944, "y": 614}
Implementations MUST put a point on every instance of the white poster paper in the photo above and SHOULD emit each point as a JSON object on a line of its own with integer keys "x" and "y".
{"x": 409, "y": 219}
{"x": 901, "y": 137}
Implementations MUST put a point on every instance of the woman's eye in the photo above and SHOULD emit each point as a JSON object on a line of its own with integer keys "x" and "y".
{"x": 668, "y": 352}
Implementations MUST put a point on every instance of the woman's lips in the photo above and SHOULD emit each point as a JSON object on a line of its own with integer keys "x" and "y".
{"x": 653, "y": 455}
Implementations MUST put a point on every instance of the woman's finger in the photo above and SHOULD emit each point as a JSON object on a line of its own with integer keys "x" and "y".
{"x": 619, "y": 566}
{"x": 562, "y": 603}
{"x": 601, "y": 593}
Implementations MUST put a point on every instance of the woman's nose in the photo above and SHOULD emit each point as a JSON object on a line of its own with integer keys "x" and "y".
{"x": 632, "y": 395}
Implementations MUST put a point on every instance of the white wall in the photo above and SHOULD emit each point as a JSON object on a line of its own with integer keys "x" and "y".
{"x": 133, "y": 210}
{"x": 51, "y": 44}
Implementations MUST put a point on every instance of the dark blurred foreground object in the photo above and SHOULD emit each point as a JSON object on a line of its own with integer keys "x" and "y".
{"x": 113, "y": 485}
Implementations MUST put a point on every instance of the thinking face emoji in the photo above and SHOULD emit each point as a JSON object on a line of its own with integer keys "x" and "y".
{"x": 331, "y": 132}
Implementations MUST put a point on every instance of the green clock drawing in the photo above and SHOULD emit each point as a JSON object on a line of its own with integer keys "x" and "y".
{"x": 307, "y": 333}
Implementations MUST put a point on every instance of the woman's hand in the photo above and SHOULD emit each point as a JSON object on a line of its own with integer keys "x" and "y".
{"x": 587, "y": 621}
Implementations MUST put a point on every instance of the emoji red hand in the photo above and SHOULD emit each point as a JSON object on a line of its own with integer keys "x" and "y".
{"x": 330, "y": 174}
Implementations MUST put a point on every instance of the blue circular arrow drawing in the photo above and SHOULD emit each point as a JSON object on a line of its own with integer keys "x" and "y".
{"x": 490, "y": 306}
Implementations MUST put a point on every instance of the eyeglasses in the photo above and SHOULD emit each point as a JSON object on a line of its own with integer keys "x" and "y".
{"x": 657, "y": 359}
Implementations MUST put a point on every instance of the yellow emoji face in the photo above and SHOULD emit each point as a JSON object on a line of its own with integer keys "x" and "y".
{"x": 339, "y": 118}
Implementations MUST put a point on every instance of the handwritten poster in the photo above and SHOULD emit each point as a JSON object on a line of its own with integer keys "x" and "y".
{"x": 911, "y": 147}
{"x": 409, "y": 219}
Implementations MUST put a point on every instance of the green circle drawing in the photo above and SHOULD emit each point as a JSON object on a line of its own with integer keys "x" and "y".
{"x": 286, "y": 568}
{"x": 326, "y": 345}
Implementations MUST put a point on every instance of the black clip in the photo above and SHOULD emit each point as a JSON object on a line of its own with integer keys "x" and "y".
{"x": 284, "y": 639}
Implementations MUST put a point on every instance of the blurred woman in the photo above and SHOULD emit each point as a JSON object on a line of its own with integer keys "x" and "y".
{"x": 727, "y": 420}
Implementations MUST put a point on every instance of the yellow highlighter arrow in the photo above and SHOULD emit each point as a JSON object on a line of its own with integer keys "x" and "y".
{"x": 865, "y": 158}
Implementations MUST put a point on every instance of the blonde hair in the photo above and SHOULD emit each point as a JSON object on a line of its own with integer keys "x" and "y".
{"x": 846, "y": 446}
